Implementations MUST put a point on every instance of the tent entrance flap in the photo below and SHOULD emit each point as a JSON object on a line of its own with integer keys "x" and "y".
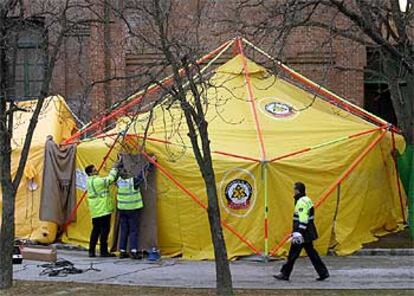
{"x": 58, "y": 196}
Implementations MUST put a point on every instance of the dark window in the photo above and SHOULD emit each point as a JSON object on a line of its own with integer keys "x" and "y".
{"x": 27, "y": 59}
{"x": 377, "y": 99}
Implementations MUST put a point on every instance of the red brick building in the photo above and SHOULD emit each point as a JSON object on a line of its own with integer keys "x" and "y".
{"x": 96, "y": 59}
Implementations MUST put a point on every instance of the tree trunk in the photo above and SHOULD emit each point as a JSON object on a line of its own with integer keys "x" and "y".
{"x": 223, "y": 273}
{"x": 7, "y": 230}
{"x": 224, "y": 285}
{"x": 8, "y": 193}
{"x": 403, "y": 103}
{"x": 401, "y": 85}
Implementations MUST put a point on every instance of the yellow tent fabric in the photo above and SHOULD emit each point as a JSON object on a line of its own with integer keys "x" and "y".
{"x": 289, "y": 119}
{"x": 56, "y": 120}
{"x": 89, "y": 153}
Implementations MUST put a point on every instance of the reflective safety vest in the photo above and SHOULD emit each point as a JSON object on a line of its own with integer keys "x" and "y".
{"x": 99, "y": 200}
{"x": 303, "y": 219}
{"x": 128, "y": 198}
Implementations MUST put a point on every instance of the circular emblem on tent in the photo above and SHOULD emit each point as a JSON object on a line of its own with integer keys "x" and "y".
{"x": 279, "y": 109}
{"x": 276, "y": 108}
{"x": 238, "y": 194}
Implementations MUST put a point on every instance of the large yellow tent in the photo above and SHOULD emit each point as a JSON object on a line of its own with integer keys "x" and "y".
{"x": 56, "y": 120}
{"x": 266, "y": 132}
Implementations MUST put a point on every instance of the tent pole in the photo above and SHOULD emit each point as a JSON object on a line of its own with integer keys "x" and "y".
{"x": 357, "y": 161}
{"x": 136, "y": 99}
{"x": 252, "y": 100}
{"x": 333, "y": 98}
{"x": 72, "y": 214}
{"x": 325, "y": 144}
{"x": 344, "y": 175}
{"x": 338, "y": 199}
{"x": 266, "y": 211}
{"x": 152, "y": 139}
{"x": 235, "y": 156}
{"x": 397, "y": 176}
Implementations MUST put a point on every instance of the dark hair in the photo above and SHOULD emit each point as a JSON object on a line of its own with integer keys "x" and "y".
{"x": 89, "y": 169}
{"x": 299, "y": 186}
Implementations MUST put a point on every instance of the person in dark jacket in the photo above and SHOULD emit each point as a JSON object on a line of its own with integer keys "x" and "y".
{"x": 129, "y": 204}
{"x": 303, "y": 235}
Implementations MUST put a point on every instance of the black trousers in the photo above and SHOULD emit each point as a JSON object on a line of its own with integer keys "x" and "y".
{"x": 129, "y": 221}
{"x": 294, "y": 253}
{"x": 100, "y": 229}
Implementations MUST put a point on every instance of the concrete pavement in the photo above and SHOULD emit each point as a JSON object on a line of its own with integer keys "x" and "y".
{"x": 353, "y": 272}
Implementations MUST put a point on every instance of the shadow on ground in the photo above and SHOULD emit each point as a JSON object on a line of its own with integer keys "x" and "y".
{"x": 399, "y": 240}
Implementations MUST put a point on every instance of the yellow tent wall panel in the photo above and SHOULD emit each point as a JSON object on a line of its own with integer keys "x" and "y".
{"x": 92, "y": 152}
{"x": 56, "y": 120}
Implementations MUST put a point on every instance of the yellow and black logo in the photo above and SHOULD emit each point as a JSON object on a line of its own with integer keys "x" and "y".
{"x": 238, "y": 194}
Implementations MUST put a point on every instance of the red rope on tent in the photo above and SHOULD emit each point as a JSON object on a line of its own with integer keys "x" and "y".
{"x": 352, "y": 167}
{"x": 199, "y": 202}
{"x": 251, "y": 99}
{"x": 311, "y": 148}
{"x": 152, "y": 139}
{"x": 133, "y": 101}
{"x": 290, "y": 154}
{"x": 366, "y": 132}
{"x": 325, "y": 195}
{"x": 135, "y": 136}
{"x": 397, "y": 176}
{"x": 236, "y": 156}
{"x": 73, "y": 212}
{"x": 323, "y": 92}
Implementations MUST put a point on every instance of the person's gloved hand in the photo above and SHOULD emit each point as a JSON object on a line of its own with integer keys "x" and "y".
{"x": 152, "y": 157}
{"x": 149, "y": 167}
{"x": 118, "y": 165}
{"x": 297, "y": 238}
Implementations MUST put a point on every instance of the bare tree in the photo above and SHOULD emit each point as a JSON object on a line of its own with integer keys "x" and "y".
{"x": 53, "y": 21}
{"x": 168, "y": 30}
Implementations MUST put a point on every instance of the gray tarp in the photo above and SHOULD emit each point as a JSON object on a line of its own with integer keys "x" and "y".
{"x": 58, "y": 185}
{"x": 148, "y": 219}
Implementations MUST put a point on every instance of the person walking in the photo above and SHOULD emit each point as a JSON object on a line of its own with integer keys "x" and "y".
{"x": 303, "y": 235}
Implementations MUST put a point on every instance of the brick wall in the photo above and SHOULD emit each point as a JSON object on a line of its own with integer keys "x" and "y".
{"x": 336, "y": 64}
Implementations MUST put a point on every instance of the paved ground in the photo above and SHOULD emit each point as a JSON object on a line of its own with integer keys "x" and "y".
{"x": 353, "y": 272}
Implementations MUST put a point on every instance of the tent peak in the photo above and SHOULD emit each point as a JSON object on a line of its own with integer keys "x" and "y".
{"x": 235, "y": 66}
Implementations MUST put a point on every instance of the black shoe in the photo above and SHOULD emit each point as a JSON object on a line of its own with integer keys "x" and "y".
{"x": 92, "y": 255}
{"x": 281, "y": 277}
{"x": 123, "y": 255}
{"x": 107, "y": 255}
{"x": 323, "y": 277}
{"x": 136, "y": 255}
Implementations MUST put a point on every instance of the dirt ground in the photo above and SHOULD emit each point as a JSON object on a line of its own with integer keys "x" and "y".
{"x": 71, "y": 289}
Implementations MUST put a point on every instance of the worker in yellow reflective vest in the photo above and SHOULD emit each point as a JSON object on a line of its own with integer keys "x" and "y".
{"x": 100, "y": 207}
{"x": 129, "y": 204}
{"x": 303, "y": 235}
